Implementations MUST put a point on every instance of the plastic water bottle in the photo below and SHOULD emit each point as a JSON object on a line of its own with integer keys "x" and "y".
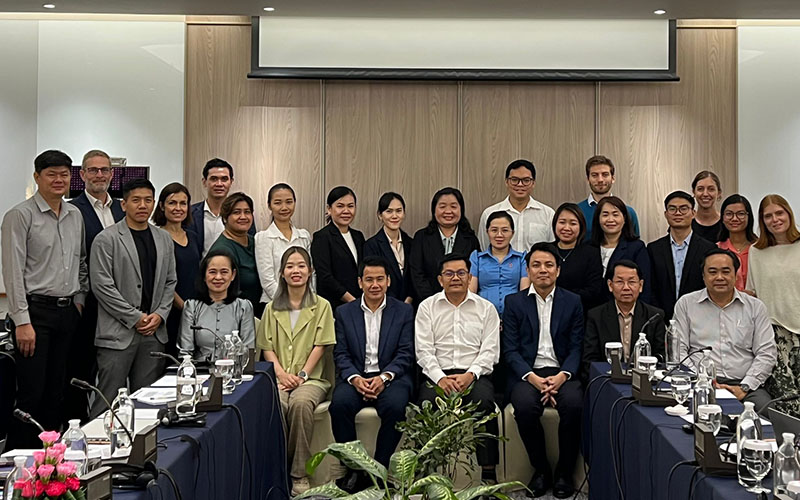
{"x": 701, "y": 394}
{"x": 707, "y": 367}
{"x": 237, "y": 349}
{"x": 78, "y": 457}
{"x": 786, "y": 467}
{"x": 747, "y": 427}
{"x": 18, "y": 473}
{"x": 641, "y": 348}
{"x": 123, "y": 406}
{"x": 228, "y": 348}
{"x": 186, "y": 387}
{"x": 75, "y": 440}
{"x": 672, "y": 346}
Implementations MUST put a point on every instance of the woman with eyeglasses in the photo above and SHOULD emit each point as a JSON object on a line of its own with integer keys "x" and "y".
{"x": 707, "y": 191}
{"x": 499, "y": 270}
{"x": 737, "y": 233}
{"x": 581, "y": 267}
{"x": 394, "y": 245}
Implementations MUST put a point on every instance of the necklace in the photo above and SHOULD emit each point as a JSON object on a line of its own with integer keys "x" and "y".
{"x": 565, "y": 257}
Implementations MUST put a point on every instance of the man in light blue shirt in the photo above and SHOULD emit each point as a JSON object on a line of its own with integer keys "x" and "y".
{"x": 600, "y": 174}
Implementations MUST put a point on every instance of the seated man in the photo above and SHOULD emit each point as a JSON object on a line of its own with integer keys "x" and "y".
{"x": 374, "y": 355}
{"x": 734, "y": 324}
{"x": 621, "y": 319}
{"x": 542, "y": 337}
{"x": 457, "y": 345}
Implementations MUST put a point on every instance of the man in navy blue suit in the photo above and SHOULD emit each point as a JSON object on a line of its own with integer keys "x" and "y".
{"x": 374, "y": 355}
{"x": 541, "y": 346}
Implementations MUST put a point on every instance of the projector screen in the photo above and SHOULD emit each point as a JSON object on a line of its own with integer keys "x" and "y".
{"x": 423, "y": 48}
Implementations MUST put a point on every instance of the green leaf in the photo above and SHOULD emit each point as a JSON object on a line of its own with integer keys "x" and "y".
{"x": 426, "y": 481}
{"x": 327, "y": 490}
{"x": 440, "y": 492}
{"x": 354, "y": 456}
{"x": 368, "y": 494}
{"x": 402, "y": 465}
{"x": 486, "y": 490}
{"x": 314, "y": 461}
{"x": 442, "y": 435}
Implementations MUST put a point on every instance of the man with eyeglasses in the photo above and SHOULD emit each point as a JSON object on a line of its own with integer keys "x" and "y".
{"x": 99, "y": 211}
{"x": 532, "y": 219}
{"x": 676, "y": 259}
{"x": 600, "y": 173}
{"x": 457, "y": 343}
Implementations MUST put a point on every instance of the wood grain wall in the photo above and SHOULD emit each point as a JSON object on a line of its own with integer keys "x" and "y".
{"x": 415, "y": 137}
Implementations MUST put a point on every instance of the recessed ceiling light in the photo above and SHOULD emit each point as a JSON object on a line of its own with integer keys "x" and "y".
{"x": 269, "y": 9}
{"x": 49, "y": 6}
{"x": 659, "y": 12}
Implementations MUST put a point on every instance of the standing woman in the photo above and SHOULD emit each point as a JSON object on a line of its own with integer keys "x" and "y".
{"x": 707, "y": 191}
{"x": 171, "y": 214}
{"x": 394, "y": 245}
{"x": 447, "y": 232}
{"x": 337, "y": 249}
{"x": 237, "y": 216}
{"x": 774, "y": 277}
{"x": 581, "y": 267}
{"x": 292, "y": 334}
{"x": 612, "y": 234}
{"x": 737, "y": 233}
{"x": 280, "y": 235}
{"x": 499, "y": 270}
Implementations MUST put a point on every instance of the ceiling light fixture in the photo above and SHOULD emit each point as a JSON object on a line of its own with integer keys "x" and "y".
{"x": 659, "y": 12}
{"x": 269, "y": 9}
{"x": 49, "y": 6}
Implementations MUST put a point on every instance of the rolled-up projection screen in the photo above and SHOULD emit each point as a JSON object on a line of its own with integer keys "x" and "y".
{"x": 422, "y": 48}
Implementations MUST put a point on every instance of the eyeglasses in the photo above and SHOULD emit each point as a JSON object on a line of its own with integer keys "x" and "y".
{"x": 452, "y": 274}
{"x": 735, "y": 215}
{"x": 95, "y": 170}
{"x": 683, "y": 209}
{"x": 516, "y": 181}
{"x": 621, "y": 283}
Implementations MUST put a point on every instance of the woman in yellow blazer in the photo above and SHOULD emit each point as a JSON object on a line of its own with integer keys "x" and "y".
{"x": 293, "y": 333}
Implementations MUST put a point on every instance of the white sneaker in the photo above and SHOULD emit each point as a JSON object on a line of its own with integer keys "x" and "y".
{"x": 300, "y": 486}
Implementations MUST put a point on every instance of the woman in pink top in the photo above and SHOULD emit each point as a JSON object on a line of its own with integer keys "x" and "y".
{"x": 737, "y": 233}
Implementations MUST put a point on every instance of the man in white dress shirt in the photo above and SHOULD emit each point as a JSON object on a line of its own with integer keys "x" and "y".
{"x": 532, "y": 219}
{"x": 457, "y": 335}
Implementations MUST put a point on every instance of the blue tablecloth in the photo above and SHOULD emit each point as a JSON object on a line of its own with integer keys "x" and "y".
{"x": 212, "y": 469}
{"x": 650, "y": 443}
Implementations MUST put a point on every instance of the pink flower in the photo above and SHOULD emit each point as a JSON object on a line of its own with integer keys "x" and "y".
{"x": 27, "y": 490}
{"x": 67, "y": 468}
{"x": 48, "y": 438}
{"x": 55, "y": 489}
{"x": 52, "y": 452}
{"x": 73, "y": 483}
{"x": 38, "y": 457}
{"x": 18, "y": 485}
{"x": 39, "y": 489}
{"x": 45, "y": 471}
{"x": 61, "y": 447}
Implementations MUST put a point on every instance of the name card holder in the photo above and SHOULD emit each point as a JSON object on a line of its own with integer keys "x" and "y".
{"x": 642, "y": 391}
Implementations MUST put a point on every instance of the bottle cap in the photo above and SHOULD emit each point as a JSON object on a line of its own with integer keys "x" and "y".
{"x": 748, "y": 405}
{"x": 74, "y": 423}
{"x": 227, "y": 337}
{"x": 20, "y": 461}
{"x": 788, "y": 437}
{"x": 642, "y": 335}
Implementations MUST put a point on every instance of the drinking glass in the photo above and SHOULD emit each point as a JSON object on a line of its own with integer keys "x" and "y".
{"x": 681, "y": 386}
{"x": 612, "y": 347}
{"x": 757, "y": 455}
{"x": 223, "y": 368}
{"x": 710, "y": 415}
{"x": 648, "y": 364}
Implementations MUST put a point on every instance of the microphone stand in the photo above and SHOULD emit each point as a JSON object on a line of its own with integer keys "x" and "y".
{"x": 26, "y": 417}
{"x": 165, "y": 355}
{"x": 89, "y": 387}
{"x": 217, "y": 338}
{"x": 691, "y": 353}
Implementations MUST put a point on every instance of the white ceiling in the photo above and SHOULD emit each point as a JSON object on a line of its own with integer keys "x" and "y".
{"x": 543, "y": 9}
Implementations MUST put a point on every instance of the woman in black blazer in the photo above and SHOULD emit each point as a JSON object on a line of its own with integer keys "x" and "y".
{"x": 447, "y": 222}
{"x": 613, "y": 236}
{"x": 581, "y": 268}
{"x": 337, "y": 249}
{"x": 391, "y": 242}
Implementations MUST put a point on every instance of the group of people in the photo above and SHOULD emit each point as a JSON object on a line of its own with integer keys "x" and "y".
{"x": 532, "y": 292}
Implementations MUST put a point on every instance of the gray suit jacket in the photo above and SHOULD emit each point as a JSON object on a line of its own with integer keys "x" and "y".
{"x": 117, "y": 283}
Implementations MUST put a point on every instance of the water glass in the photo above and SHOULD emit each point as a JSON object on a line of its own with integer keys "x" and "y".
{"x": 223, "y": 368}
{"x": 793, "y": 490}
{"x": 611, "y": 348}
{"x": 757, "y": 455}
{"x": 648, "y": 364}
{"x": 681, "y": 386}
{"x": 711, "y": 415}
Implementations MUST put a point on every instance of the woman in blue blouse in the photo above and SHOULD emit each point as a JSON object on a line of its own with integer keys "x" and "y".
{"x": 499, "y": 270}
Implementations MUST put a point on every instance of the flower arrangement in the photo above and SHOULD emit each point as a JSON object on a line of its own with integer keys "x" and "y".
{"x": 50, "y": 477}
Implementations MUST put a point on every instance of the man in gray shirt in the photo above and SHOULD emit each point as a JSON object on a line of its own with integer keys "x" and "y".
{"x": 734, "y": 324}
{"x": 44, "y": 272}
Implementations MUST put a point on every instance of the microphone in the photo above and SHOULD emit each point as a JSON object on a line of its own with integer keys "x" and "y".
{"x": 165, "y": 356}
{"x": 691, "y": 353}
{"x": 786, "y": 397}
{"x": 86, "y": 386}
{"x": 198, "y": 328}
{"x": 649, "y": 321}
{"x": 26, "y": 417}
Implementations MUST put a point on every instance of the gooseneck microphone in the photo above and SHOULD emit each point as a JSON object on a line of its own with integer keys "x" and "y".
{"x": 165, "y": 356}
{"x": 198, "y": 328}
{"x": 86, "y": 386}
{"x": 26, "y": 417}
{"x": 786, "y": 397}
{"x": 691, "y": 353}
{"x": 649, "y": 321}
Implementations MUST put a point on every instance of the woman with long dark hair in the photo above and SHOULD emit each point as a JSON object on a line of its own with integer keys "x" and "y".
{"x": 393, "y": 244}
{"x": 581, "y": 267}
{"x": 737, "y": 233}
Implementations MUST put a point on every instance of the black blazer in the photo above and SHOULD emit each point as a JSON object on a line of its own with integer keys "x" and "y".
{"x": 337, "y": 272}
{"x": 582, "y": 273}
{"x": 91, "y": 222}
{"x": 197, "y": 223}
{"x": 379, "y": 246}
{"x": 663, "y": 272}
{"x": 637, "y": 252}
{"x": 426, "y": 253}
{"x": 602, "y": 325}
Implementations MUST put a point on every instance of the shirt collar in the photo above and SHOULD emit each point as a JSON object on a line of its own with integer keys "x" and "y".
{"x": 703, "y": 296}
{"x": 590, "y": 198}
{"x": 532, "y": 291}
{"x": 533, "y": 204}
{"x": 619, "y": 311}
{"x": 442, "y": 296}
{"x": 274, "y": 232}
{"x": 207, "y": 209}
{"x": 366, "y": 309}
{"x": 685, "y": 241}
{"x": 42, "y": 204}
{"x": 443, "y": 237}
{"x": 511, "y": 252}
{"x": 400, "y": 235}
{"x": 94, "y": 201}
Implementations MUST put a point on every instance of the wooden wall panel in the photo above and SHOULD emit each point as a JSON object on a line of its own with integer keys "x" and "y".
{"x": 398, "y": 136}
{"x": 268, "y": 130}
{"x": 661, "y": 134}
{"x": 551, "y": 125}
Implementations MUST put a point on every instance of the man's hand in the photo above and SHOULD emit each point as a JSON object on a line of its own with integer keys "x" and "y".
{"x": 362, "y": 386}
{"x": 536, "y": 381}
{"x": 376, "y": 386}
{"x": 26, "y": 339}
{"x": 734, "y": 389}
{"x": 463, "y": 380}
{"x": 448, "y": 384}
{"x": 148, "y": 324}
{"x": 552, "y": 384}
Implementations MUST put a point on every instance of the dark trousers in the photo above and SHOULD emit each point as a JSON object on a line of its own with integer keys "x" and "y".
{"x": 83, "y": 362}
{"x": 482, "y": 392}
{"x": 41, "y": 378}
{"x": 528, "y": 409}
{"x": 390, "y": 405}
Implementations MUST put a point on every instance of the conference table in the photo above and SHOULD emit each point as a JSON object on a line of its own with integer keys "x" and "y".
{"x": 206, "y": 462}
{"x": 647, "y": 443}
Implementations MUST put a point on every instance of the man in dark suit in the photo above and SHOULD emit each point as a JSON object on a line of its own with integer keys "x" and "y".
{"x": 99, "y": 211}
{"x": 541, "y": 345}
{"x": 676, "y": 258}
{"x": 206, "y": 220}
{"x": 622, "y": 318}
{"x": 374, "y": 355}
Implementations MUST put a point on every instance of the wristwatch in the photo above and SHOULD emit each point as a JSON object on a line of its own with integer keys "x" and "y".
{"x": 303, "y": 375}
{"x": 745, "y": 388}
{"x": 386, "y": 378}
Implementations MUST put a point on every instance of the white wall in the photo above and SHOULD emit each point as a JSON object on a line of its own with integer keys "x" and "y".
{"x": 769, "y": 112}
